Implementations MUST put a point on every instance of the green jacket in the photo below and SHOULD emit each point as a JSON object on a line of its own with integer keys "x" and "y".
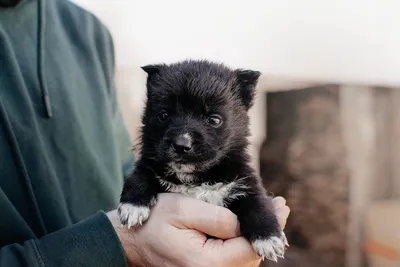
{"x": 64, "y": 150}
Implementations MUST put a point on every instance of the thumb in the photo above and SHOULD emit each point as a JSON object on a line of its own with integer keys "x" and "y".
{"x": 209, "y": 219}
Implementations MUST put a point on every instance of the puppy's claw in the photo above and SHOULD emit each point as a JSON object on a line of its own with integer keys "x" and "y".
{"x": 278, "y": 245}
{"x": 131, "y": 215}
{"x": 285, "y": 239}
{"x": 270, "y": 248}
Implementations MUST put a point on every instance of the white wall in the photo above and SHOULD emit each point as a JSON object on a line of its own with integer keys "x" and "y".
{"x": 338, "y": 40}
{"x": 352, "y": 42}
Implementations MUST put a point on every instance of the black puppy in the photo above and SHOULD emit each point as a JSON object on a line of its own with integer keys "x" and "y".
{"x": 194, "y": 142}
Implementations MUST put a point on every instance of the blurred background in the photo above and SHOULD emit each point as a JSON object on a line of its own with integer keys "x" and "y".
{"x": 326, "y": 123}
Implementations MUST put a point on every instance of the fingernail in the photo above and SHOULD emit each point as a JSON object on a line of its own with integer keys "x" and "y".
{"x": 280, "y": 201}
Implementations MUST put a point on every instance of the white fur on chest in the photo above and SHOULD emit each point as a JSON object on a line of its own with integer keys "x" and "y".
{"x": 184, "y": 172}
{"x": 217, "y": 194}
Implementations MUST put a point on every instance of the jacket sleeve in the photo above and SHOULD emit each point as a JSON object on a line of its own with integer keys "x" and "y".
{"x": 92, "y": 242}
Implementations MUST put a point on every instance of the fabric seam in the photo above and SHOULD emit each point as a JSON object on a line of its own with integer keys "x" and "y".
{"x": 38, "y": 255}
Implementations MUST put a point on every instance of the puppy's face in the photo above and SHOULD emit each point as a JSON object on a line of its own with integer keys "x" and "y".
{"x": 196, "y": 113}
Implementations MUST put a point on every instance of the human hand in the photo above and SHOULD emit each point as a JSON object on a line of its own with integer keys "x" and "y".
{"x": 175, "y": 235}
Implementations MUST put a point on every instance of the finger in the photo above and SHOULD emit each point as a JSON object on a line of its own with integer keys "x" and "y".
{"x": 212, "y": 220}
{"x": 233, "y": 252}
{"x": 278, "y": 202}
{"x": 283, "y": 214}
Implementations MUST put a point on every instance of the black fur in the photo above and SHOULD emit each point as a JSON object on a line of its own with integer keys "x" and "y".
{"x": 189, "y": 92}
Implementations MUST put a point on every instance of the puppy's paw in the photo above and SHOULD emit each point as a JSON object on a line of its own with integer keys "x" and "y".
{"x": 272, "y": 247}
{"x": 131, "y": 215}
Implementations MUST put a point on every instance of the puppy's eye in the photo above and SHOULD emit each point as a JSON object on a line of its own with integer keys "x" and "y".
{"x": 163, "y": 116}
{"x": 214, "y": 120}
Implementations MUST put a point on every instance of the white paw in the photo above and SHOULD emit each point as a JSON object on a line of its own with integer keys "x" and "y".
{"x": 271, "y": 248}
{"x": 131, "y": 215}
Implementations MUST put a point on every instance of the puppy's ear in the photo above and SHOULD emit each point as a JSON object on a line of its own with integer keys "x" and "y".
{"x": 247, "y": 80}
{"x": 152, "y": 70}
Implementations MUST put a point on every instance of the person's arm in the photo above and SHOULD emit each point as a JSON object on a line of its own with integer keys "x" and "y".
{"x": 174, "y": 234}
{"x": 92, "y": 242}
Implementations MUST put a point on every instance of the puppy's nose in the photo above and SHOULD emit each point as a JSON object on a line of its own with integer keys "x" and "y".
{"x": 182, "y": 144}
